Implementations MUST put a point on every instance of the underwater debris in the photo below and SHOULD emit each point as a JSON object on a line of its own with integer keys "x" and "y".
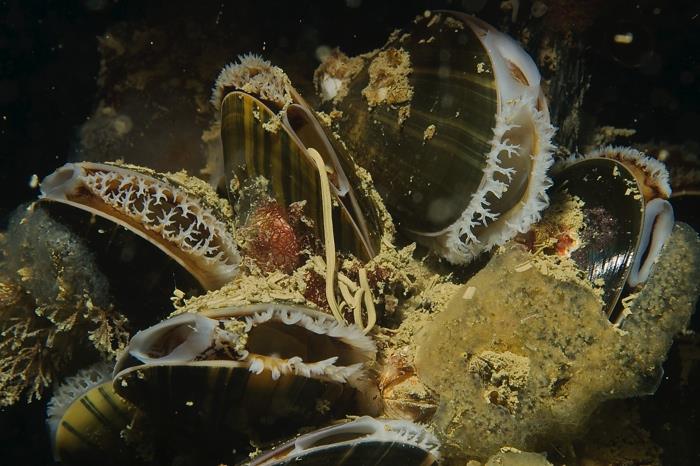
{"x": 54, "y": 302}
{"x": 388, "y": 78}
{"x": 334, "y": 74}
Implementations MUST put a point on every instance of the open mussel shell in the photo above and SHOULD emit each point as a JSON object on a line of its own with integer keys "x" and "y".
{"x": 252, "y": 150}
{"x": 91, "y": 429}
{"x": 461, "y": 159}
{"x": 622, "y": 232}
{"x": 613, "y": 212}
{"x": 185, "y": 220}
{"x": 253, "y": 372}
{"x": 365, "y": 441}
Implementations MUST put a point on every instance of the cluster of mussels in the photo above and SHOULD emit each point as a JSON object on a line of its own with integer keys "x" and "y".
{"x": 442, "y": 137}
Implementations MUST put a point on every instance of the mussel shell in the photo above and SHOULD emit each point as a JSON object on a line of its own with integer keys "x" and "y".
{"x": 427, "y": 184}
{"x": 287, "y": 331}
{"x": 90, "y": 431}
{"x": 365, "y": 441}
{"x": 251, "y": 151}
{"x": 613, "y": 219}
{"x": 256, "y": 372}
{"x": 191, "y": 227}
{"x": 222, "y": 402}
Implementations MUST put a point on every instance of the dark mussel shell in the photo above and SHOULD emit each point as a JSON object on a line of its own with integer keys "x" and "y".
{"x": 613, "y": 215}
{"x": 461, "y": 159}
{"x": 93, "y": 428}
{"x": 296, "y": 368}
{"x": 462, "y": 105}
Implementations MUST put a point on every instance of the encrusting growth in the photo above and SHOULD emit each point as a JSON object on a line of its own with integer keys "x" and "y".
{"x": 54, "y": 303}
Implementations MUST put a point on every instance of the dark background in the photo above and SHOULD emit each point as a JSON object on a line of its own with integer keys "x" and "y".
{"x": 49, "y": 62}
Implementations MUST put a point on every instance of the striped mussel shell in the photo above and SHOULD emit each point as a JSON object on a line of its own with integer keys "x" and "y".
{"x": 363, "y": 441}
{"x": 267, "y": 132}
{"x": 87, "y": 420}
{"x": 450, "y": 121}
{"x": 626, "y": 218}
{"x": 253, "y": 372}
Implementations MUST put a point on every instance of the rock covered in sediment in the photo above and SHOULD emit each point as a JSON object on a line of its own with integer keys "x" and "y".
{"x": 513, "y": 457}
{"x": 522, "y": 355}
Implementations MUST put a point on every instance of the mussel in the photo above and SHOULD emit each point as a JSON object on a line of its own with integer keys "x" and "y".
{"x": 180, "y": 215}
{"x": 626, "y": 217}
{"x": 87, "y": 420}
{"x": 268, "y": 131}
{"x": 364, "y": 441}
{"x": 255, "y": 372}
{"x": 272, "y": 139}
{"x": 450, "y": 121}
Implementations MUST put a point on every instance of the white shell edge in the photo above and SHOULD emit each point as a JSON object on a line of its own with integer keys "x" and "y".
{"x": 460, "y": 251}
{"x": 657, "y": 228}
{"x": 375, "y": 430}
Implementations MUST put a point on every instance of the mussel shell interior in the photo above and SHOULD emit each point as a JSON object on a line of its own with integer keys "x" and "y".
{"x": 613, "y": 218}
